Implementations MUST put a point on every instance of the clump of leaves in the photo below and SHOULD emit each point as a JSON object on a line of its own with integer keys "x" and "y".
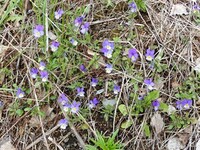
{"x": 105, "y": 143}
{"x": 178, "y": 121}
{"x": 190, "y": 88}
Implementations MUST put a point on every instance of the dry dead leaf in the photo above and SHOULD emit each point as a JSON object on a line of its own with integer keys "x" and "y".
{"x": 2, "y": 51}
{"x": 174, "y": 144}
{"x": 159, "y": 83}
{"x": 175, "y": 84}
{"x": 183, "y": 138}
{"x": 51, "y": 35}
{"x": 157, "y": 122}
{"x": 171, "y": 109}
{"x": 198, "y": 145}
{"x": 6, "y": 145}
{"x": 178, "y": 9}
{"x": 92, "y": 53}
{"x": 34, "y": 122}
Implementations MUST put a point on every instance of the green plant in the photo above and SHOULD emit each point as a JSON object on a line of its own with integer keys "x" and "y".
{"x": 105, "y": 143}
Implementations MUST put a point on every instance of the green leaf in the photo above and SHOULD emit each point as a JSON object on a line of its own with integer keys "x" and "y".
{"x": 90, "y": 147}
{"x": 123, "y": 110}
{"x": 19, "y": 112}
{"x": 147, "y": 130}
{"x": 126, "y": 124}
{"x": 152, "y": 96}
{"x": 27, "y": 109}
{"x": 164, "y": 107}
{"x": 11, "y": 6}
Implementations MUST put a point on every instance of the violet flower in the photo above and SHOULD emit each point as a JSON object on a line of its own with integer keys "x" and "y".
{"x": 58, "y": 13}
{"x": 20, "y": 93}
{"x": 94, "y": 82}
{"x": 44, "y": 76}
{"x": 109, "y": 68}
{"x": 63, "y": 99}
{"x": 132, "y": 54}
{"x": 93, "y": 103}
{"x": 133, "y": 7}
{"x": 185, "y": 103}
{"x": 156, "y": 104}
{"x": 42, "y": 65}
{"x": 54, "y": 46}
{"x": 116, "y": 89}
{"x": 82, "y": 68}
{"x": 80, "y": 91}
{"x": 34, "y": 72}
{"x": 66, "y": 107}
{"x": 196, "y": 7}
{"x": 73, "y": 42}
{"x": 149, "y": 83}
{"x": 75, "y": 106}
{"x": 63, "y": 123}
{"x": 78, "y": 21}
{"x": 38, "y": 31}
{"x": 108, "y": 45}
{"x": 85, "y": 27}
{"x": 150, "y": 54}
{"x": 107, "y": 53}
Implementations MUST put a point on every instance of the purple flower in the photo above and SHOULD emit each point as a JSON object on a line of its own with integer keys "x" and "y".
{"x": 140, "y": 98}
{"x": 75, "y": 106}
{"x": 132, "y": 54}
{"x": 1, "y": 104}
{"x": 85, "y": 27}
{"x": 196, "y": 7}
{"x": 38, "y": 31}
{"x": 93, "y": 103}
{"x": 133, "y": 7}
{"x": 179, "y": 105}
{"x": 80, "y": 91}
{"x": 116, "y": 89}
{"x": 34, "y": 72}
{"x": 42, "y": 65}
{"x": 44, "y": 76}
{"x": 78, "y": 21}
{"x": 109, "y": 68}
{"x": 20, "y": 93}
{"x": 73, "y": 42}
{"x": 149, "y": 83}
{"x": 63, "y": 99}
{"x": 156, "y": 104}
{"x": 150, "y": 54}
{"x": 66, "y": 107}
{"x": 108, "y": 45}
{"x": 82, "y": 68}
{"x": 58, "y": 13}
{"x": 185, "y": 103}
{"x": 94, "y": 82}
{"x": 107, "y": 53}
{"x": 54, "y": 46}
{"x": 63, "y": 123}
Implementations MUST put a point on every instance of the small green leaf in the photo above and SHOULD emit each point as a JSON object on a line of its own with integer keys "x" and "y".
{"x": 164, "y": 107}
{"x": 126, "y": 124}
{"x": 19, "y": 112}
{"x": 27, "y": 109}
{"x": 152, "y": 96}
{"x": 123, "y": 110}
{"x": 147, "y": 130}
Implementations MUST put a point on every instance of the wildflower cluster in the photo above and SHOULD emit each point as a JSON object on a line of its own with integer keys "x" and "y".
{"x": 43, "y": 73}
{"x": 83, "y": 26}
{"x": 107, "y": 50}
